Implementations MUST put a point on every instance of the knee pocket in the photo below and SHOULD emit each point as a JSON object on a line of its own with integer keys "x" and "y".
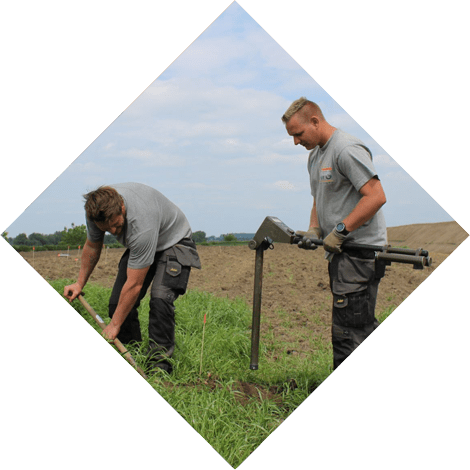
{"x": 164, "y": 293}
{"x": 352, "y": 310}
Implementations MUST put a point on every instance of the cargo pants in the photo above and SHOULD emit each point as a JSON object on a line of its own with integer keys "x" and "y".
{"x": 354, "y": 283}
{"x": 169, "y": 275}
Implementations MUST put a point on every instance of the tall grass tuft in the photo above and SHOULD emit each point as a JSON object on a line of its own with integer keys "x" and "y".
{"x": 231, "y": 406}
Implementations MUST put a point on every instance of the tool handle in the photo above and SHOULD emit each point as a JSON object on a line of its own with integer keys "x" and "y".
{"x": 418, "y": 257}
{"x": 360, "y": 246}
{"x": 122, "y": 349}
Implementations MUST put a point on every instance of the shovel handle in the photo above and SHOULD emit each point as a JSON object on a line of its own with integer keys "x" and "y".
{"x": 122, "y": 349}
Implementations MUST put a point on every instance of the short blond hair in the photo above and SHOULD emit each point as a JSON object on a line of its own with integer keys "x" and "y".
{"x": 308, "y": 107}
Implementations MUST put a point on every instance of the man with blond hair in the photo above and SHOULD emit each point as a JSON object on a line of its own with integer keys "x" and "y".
{"x": 347, "y": 198}
{"x": 159, "y": 251}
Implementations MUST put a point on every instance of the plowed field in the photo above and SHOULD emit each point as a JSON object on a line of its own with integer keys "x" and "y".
{"x": 295, "y": 281}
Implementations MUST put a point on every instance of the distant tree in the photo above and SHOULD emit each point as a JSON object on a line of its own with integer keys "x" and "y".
{"x": 21, "y": 239}
{"x": 5, "y": 235}
{"x": 37, "y": 239}
{"x": 53, "y": 238}
{"x": 199, "y": 236}
{"x": 74, "y": 236}
{"x": 230, "y": 237}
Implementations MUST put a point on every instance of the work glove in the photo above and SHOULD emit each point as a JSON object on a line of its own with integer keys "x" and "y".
{"x": 314, "y": 233}
{"x": 333, "y": 241}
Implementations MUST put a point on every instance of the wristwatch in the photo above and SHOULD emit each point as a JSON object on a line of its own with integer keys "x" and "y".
{"x": 341, "y": 228}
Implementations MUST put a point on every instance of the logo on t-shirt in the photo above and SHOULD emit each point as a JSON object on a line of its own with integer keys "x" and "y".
{"x": 326, "y": 175}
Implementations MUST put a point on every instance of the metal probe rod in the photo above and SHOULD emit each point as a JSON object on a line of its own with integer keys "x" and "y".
{"x": 255, "y": 327}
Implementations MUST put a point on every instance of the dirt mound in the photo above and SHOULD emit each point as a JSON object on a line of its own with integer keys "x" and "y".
{"x": 243, "y": 392}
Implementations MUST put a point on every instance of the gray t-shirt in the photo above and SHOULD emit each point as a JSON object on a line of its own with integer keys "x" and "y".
{"x": 153, "y": 223}
{"x": 338, "y": 170}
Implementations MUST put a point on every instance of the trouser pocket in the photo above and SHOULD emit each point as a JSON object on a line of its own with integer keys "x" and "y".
{"x": 350, "y": 274}
{"x": 176, "y": 276}
{"x": 354, "y": 287}
{"x": 353, "y": 310}
{"x": 179, "y": 260}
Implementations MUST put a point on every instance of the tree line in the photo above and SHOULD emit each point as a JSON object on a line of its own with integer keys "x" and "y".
{"x": 200, "y": 237}
{"x": 73, "y": 236}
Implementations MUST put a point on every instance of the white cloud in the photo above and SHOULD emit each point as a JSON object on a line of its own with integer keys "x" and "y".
{"x": 87, "y": 167}
{"x": 286, "y": 158}
{"x": 285, "y": 186}
{"x": 139, "y": 154}
{"x": 152, "y": 158}
{"x": 204, "y": 186}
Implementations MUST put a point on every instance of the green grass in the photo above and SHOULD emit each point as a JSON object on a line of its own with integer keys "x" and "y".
{"x": 382, "y": 316}
{"x": 215, "y": 401}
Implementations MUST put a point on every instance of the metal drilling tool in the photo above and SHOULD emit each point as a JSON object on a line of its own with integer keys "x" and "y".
{"x": 274, "y": 230}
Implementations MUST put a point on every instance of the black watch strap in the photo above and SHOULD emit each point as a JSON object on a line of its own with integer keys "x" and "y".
{"x": 341, "y": 228}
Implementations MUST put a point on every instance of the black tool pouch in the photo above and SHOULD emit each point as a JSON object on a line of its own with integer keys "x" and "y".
{"x": 179, "y": 261}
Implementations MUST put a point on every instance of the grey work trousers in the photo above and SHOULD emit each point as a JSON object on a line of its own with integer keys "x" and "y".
{"x": 354, "y": 283}
{"x": 170, "y": 279}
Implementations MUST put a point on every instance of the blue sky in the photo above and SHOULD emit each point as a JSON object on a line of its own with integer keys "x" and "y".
{"x": 207, "y": 133}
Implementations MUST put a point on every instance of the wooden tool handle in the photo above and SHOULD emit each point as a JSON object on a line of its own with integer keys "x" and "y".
{"x": 122, "y": 349}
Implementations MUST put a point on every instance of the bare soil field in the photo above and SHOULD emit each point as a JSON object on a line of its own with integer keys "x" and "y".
{"x": 295, "y": 281}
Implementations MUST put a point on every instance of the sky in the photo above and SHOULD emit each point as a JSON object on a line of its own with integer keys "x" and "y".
{"x": 207, "y": 133}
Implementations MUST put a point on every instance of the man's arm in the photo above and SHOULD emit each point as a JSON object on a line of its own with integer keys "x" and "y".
{"x": 90, "y": 256}
{"x": 313, "y": 217}
{"x": 129, "y": 294}
{"x": 373, "y": 198}
{"x": 314, "y": 230}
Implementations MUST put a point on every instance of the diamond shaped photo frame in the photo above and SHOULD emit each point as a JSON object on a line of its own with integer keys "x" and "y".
{"x": 293, "y": 415}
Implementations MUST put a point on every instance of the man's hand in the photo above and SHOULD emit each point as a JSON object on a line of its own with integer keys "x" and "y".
{"x": 110, "y": 332}
{"x": 333, "y": 241}
{"x": 313, "y": 232}
{"x": 72, "y": 291}
{"x": 90, "y": 256}
{"x": 129, "y": 295}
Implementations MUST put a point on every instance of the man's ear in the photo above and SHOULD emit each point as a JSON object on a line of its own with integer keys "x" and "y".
{"x": 314, "y": 120}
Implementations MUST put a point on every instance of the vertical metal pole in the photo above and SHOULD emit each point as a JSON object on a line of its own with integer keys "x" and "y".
{"x": 255, "y": 328}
